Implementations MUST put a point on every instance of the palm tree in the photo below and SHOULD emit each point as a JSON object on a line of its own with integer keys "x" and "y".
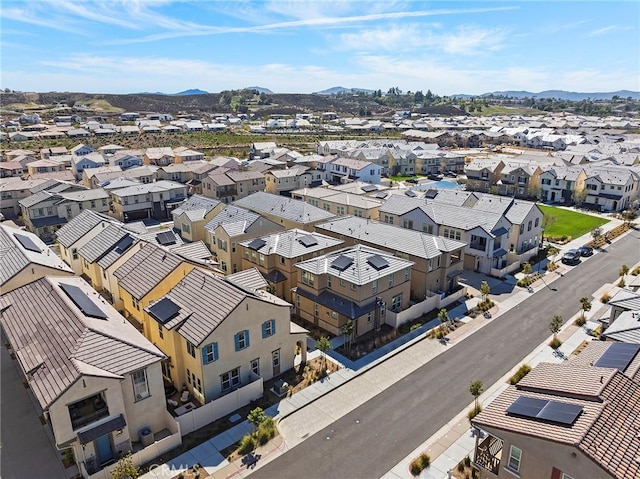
{"x": 347, "y": 331}
{"x": 323, "y": 344}
{"x": 485, "y": 289}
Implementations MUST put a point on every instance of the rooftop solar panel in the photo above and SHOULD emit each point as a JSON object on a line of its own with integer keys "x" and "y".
{"x": 342, "y": 262}
{"x": 410, "y": 193}
{"x": 166, "y": 238}
{"x": 378, "y": 262}
{"x": 164, "y": 310}
{"x": 369, "y": 188}
{"x": 27, "y": 243}
{"x": 308, "y": 240}
{"x": 382, "y": 194}
{"x": 618, "y": 356}
{"x": 431, "y": 193}
{"x": 83, "y": 301}
{"x": 256, "y": 244}
{"x": 560, "y": 412}
{"x": 526, "y": 406}
{"x": 124, "y": 244}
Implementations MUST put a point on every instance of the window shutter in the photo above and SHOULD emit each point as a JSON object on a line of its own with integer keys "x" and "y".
{"x": 237, "y": 340}
{"x": 205, "y": 360}
{"x": 264, "y": 330}
{"x": 273, "y": 326}
{"x": 215, "y": 351}
{"x": 246, "y": 337}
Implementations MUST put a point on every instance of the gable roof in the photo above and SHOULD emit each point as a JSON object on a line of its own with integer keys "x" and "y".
{"x": 284, "y": 207}
{"x": 78, "y": 227}
{"x": 102, "y": 243}
{"x": 196, "y": 207}
{"x": 56, "y": 343}
{"x": 291, "y": 243}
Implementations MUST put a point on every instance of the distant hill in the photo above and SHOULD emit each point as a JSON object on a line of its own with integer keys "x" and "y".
{"x": 340, "y": 89}
{"x": 193, "y": 91}
{"x": 260, "y": 89}
{"x": 563, "y": 95}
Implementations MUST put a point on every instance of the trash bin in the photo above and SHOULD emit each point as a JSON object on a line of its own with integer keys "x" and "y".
{"x": 146, "y": 436}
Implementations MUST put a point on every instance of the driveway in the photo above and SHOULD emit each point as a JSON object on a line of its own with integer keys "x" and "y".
{"x": 25, "y": 449}
{"x": 500, "y": 288}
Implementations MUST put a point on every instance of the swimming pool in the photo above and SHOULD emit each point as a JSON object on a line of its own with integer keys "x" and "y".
{"x": 440, "y": 185}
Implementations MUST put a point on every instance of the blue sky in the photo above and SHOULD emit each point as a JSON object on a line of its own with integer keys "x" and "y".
{"x": 305, "y": 46}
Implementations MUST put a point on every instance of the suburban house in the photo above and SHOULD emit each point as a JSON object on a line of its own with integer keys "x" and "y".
{"x": 574, "y": 420}
{"x": 285, "y": 211}
{"x": 230, "y": 226}
{"x": 261, "y": 149}
{"x": 623, "y": 322}
{"x": 181, "y": 172}
{"x": 275, "y": 256}
{"x": 183, "y": 154}
{"x": 611, "y": 188}
{"x": 12, "y": 190}
{"x": 519, "y": 179}
{"x": 45, "y": 166}
{"x": 485, "y": 233}
{"x": 437, "y": 260}
{"x": 90, "y": 160}
{"x": 159, "y": 156}
{"x": 152, "y": 200}
{"x": 482, "y": 174}
{"x": 355, "y": 284}
{"x": 191, "y": 217}
{"x": 341, "y": 203}
{"x": 72, "y": 203}
{"x": 345, "y": 170}
{"x": 228, "y": 185}
{"x": 97, "y": 380}
{"x": 560, "y": 184}
{"x": 283, "y": 182}
{"x": 219, "y": 336}
{"x": 25, "y": 258}
{"x": 9, "y": 169}
{"x": 126, "y": 159}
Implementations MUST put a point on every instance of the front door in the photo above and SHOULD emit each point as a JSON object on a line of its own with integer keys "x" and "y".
{"x": 275, "y": 358}
{"x": 103, "y": 449}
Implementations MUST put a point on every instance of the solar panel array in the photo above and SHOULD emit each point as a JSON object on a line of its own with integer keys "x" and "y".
{"x": 164, "y": 310}
{"x": 308, "y": 240}
{"x": 378, "y": 262}
{"x": 552, "y": 411}
{"x": 342, "y": 262}
{"x": 256, "y": 244}
{"x": 83, "y": 301}
{"x": 27, "y": 243}
{"x": 166, "y": 237}
{"x": 124, "y": 244}
{"x": 369, "y": 188}
{"x": 410, "y": 193}
{"x": 618, "y": 356}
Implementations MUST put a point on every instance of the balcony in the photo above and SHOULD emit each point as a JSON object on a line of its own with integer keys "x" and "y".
{"x": 87, "y": 411}
{"x": 478, "y": 245}
{"x": 488, "y": 454}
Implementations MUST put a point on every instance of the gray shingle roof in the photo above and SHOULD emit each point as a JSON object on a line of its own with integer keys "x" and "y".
{"x": 250, "y": 279}
{"x": 145, "y": 269}
{"x": 102, "y": 243}
{"x": 283, "y": 207}
{"x": 78, "y": 227}
{"x": 235, "y": 220}
{"x": 57, "y": 343}
{"x": 34, "y": 199}
{"x": 386, "y": 236}
{"x": 197, "y": 207}
{"x": 288, "y": 243}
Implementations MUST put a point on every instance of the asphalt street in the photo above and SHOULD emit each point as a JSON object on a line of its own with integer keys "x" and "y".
{"x": 370, "y": 440}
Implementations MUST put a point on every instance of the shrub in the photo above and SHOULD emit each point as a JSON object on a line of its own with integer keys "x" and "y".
{"x": 555, "y": 343}
{"x": 474, "y": 411}
{"x": 247, "y": 444}
{"x": 636, "y": 271}
{"x": 461, "y": 466}
{"x": 414, "y": 327}
{"x": 605, "y": 298}
{"x": 467, "y": 461}
{"x": 419, "y": 464}
{"x": 552, "y": 266}
{"x": 263, "y": 437}
{"x": 519, "y": 374}
{"x": 580, "y": 321}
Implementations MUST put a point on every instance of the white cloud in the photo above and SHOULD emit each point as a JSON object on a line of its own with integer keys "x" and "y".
{"x": 604, "y": 30}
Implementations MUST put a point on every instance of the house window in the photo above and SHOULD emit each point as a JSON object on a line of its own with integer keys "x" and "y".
{"x": 246, "y": 253}
{"x": 223, "y": 265}
{"x": 255, "y": 366}
{"x": 140, "y": 386}
{"x": 74, "y": 253}
{"x": 329, "y": 281}
{"x": 340, "y": 210}
{"x": 396, "y": 302}
{"x": 186, "y": 228}
{"x": 391, "y": 280}
{"x": 210, "y": 353}
{"x": 191, "y": 349}
{"x": 537, "y": 222}
{"x": 374, "y": 286}
{"x": 334, "y": 315}
{"x": 188, "y": 376}
{"x": 427, "y": 229}
{"x": 406, "y": 274}
{"x": 242, "y": 340}
{"x": 316, "y": 311}
{"x": 230, "y": 379}
{"x": 222, "y": 244}
{"x": 369, "y": 317}
{"x": 283, "y": 260}
{"x": 308, "y": 278}
{"x": 297, "y": 301}
{"x": 529, "y": 226}
{"x": 160, "y": 331}
{"x": 352, "y": 286}
{"x": 268, "y": 328}
{"x": 515, "y": 456}
{"x": 408, "y": 224}
{"x": 254, "y": 256}
{"x": 565, "y": 476}
{"x": 275, "y": 359}
{"x": 199, "y": 385}
{"x": 522, "y": 228}
{"x": 136, "y": 304}
{"x": 261, "y": 259}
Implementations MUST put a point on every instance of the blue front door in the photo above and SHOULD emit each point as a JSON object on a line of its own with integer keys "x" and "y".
{"x": 103, "y": 449}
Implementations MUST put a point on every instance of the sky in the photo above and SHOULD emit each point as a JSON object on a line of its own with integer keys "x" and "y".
{"x": 301, "y": 46}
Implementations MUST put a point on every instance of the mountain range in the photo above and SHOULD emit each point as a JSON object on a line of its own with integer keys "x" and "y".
{"x": 340, "y": 89}
{"x": 560, "y": 95}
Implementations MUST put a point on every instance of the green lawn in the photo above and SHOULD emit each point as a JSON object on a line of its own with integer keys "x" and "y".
{"x": 570, "y": 223}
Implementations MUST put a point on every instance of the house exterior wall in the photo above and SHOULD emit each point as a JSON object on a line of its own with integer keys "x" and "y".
{"x": 148, "y": 412}
{"x": 110, "y": 283}
{"x": 526, "y": 236}
{"x": 67, "y": 254}
{"x": 31, "y": 273}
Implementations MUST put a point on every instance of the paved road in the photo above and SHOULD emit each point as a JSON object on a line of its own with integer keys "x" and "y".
{"x": 373, "y": 438}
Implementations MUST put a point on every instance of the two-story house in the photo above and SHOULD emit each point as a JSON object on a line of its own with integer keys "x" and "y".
{"x": 341, "y": 203}
{"x": 182, "y": 154}
{"x": 125, "y": 159}
{"x": 560, "y": 184}
{"x": 344, "y": 170}
{"x": 438, "y": 261}
{"x": 283, "y": 182}
{"x": 218, "y": 336}
{"x": 158, "y": 156}
{"x": 97, "y": 380}
{"x": 191, "y": 216}
{"x": 12, "y": 190}
{"x": 355, "y": 284}
{"x": 152, "y": 200}
{"x": 90, "y": 160}
{"x": 482, "y": 174}
{"x": 275, "y": 256}
{"x": 611, "y": 189}
{"x": 519, "y": 178}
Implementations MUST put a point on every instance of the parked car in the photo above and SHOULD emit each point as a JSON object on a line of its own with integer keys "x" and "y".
{"x": 585, "y": 251}
{"x": 571, "y": 257}
{"x": 451, "y": 174}
{"x": 413, "y": 180}
{"x": 435, "y": 177}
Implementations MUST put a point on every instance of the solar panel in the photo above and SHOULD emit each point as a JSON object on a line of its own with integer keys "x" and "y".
{"x": 308, "y": 240}
{"x": 369, "y": 188}
{"x": 378, "y": 262}
{"x": 382, "y": 194}
{"x": 342, "y": 262}
{"x": 256, "y": 244}
{"x": 27, "y": 243}
{"x": 83, "y": 301}
{"x": 410, "y": 193}
{"x": 618, "y": 356}
{"x": 545, "y": 410}
{"x": 560, "y": 412}
{"x": 124, "y": 243}
{"x": 164, "y": 310}
{"x": 526, "y": 406}
{"x": 166, "y": 237}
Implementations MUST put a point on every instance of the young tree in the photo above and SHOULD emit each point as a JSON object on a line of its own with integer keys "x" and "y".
{"x": 526, "y": 268}
{"x": 476, "y": 389}
{"x": 596, "y": 233}
{"x": 125, "y": 469}
{"x": 256, "y": 417}
{"x": 485, "y": 289}
{"x": 547, "y": 221}
{"x": 585, "y": 303}
{"x": 624, "y": 270}
{"x": 443, "y": 316}
{"x": 324, "y": 345}
{"x": 347, "y": 331}
{"x": 629, "y": 215}
{"x": 555, "y": 324}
